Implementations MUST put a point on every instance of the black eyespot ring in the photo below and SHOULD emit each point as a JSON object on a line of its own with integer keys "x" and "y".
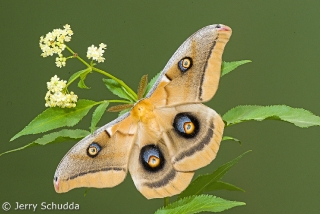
{"x": 93, "y": 150}
{"x": 185, "y": 64}
{"x": 151, "y": 158}
{"x": 182, "y": 123}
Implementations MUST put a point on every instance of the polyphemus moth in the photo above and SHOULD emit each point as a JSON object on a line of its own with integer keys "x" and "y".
{"x": 166, "y": 136}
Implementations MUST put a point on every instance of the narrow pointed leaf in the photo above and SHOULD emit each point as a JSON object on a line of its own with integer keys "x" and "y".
{"x": 203, "y": 182}
{"x": 231, "y": 138}
{"x": 220, "y": 185}
{"x": 53, "y": 118}
{"x": 55, "y": 137}
{"x": 297, "y": 116}
{"x": 81, "y": 83}
{"x": 200, "y": 203}
{"x": 227, "y": 67}
{"x": 118, "y": 108}
{"x": 142, "y": 86}
{"x": 97, "y": 114}
{"x": 117, "y": 89}
{"x": 151, "y": 83}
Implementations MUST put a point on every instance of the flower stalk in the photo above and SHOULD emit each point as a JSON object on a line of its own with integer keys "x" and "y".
{"x": 54, "y": 43}
{"x": 92, "y": 68}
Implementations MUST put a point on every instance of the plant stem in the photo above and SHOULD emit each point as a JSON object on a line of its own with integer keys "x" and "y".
{"x": 78, "y": 57}
{"x": 135, "y": 96}
{"x": 131, "y": 92}
{"x": 166, "y": 201}
{"x": 85, "y": 70}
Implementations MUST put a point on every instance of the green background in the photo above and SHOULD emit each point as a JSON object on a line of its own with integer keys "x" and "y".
{"x": 282, "y": 173}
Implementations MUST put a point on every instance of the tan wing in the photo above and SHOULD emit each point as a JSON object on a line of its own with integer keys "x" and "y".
{"x": 99, "y": 160}
{"x": 151, "y": 168}
{"x": 193, "y": 133}
{"x": 171, "y": 143}
{"x": 193, "y": 72}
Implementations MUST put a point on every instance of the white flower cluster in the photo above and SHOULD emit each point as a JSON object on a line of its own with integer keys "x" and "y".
{"x": 96, "y": 53}
{"x": 53, "y": 43}
{"x": 61, "y": 61}
{"x": 56, "y": 97}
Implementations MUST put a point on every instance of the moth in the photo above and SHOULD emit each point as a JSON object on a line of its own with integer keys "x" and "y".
{"x": 165, "y": 136}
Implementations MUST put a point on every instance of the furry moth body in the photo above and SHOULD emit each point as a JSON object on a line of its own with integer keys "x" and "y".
{"x": 166, "y": 136}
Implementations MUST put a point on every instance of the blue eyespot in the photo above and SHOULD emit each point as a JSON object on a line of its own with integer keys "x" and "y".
{"x": 93, "y": 150}
{"x": 185, "y": 64}
{"x": 186, "y": 125}
{"x": 151, "y": 158}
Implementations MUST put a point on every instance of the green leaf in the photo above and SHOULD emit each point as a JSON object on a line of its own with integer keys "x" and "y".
{"x": 56, "y": 117}
{"x": 86, "y": 192}
{"x": 81, "y": 83}
{"x": 55, "y": 137}
{"x": 297, "y": 116}
{"x": 231, "y": 138}
{"x": 151, "y": 83}
{"x": 123, "y": 111}
{"x": 203, "y": 182}
{"x": 77, "y": 74}
{"x": 227, "y": 67}
{"x": 117, "y": 89}
{"x": 196, "y": 204}
{"x": 220, "y": 185}
{"x": 97, "y": 114}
